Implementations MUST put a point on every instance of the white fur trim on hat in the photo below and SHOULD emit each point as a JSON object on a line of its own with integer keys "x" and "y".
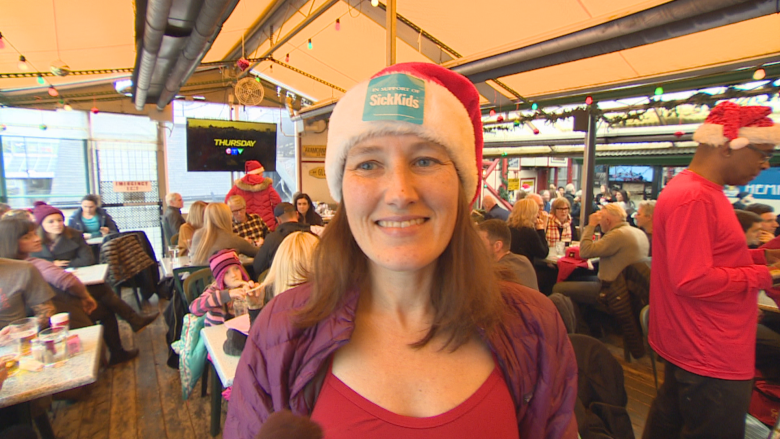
{"x": 712, "y": 134}
{"x": 445, "y": 122}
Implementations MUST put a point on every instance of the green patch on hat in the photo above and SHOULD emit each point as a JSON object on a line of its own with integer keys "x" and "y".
{"x": 395, "y": 97}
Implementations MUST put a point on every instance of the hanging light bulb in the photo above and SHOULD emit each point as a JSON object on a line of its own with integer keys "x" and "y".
{"x": 659, "y": 91}
{"x": 338, "y": 24}
{"x": 23, "y": 63}
{"x": 310, "y": 45}
{"x": 374, "y": 3}
{"x": 759, "y": 74}
{"x": 67, "y": 107}
{"x": 95, "y": 110}
{"x": 53, "y": 91}
{"x": 257, "y": 78}
{"x": 2, "y": 43}
{"x": 588, "y": 100}
{"x": 287, "y": 58}
{"x": 40, "y": 79}
{"x": 492, "y": 113}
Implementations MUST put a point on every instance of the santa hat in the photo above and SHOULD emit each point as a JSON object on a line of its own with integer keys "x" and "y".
{"x": 253, "y": 167}
{"x": 423, "y": 99}
{"x": 221, "y": 261}
{"x": 42, "y": 210}
{"x": 740, "y": 126}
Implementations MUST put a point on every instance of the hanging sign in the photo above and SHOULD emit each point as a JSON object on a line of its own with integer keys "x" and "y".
{"x": 132, "y": 186}
{"x": 513, "y": 184}
{"x": 313, "y": 152}
{"x": 318, "y": 172}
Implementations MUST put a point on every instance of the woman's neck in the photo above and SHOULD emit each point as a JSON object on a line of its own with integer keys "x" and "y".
{"x": 404, "y": 296}
{"x": 87, "y": 215}
{"x": 52, "y": 237}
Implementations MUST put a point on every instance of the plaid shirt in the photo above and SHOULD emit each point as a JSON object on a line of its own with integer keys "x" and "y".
{"x": 253, "y": 228}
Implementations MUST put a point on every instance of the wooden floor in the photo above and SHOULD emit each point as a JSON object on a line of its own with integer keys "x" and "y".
{"x": 142, "y": 399}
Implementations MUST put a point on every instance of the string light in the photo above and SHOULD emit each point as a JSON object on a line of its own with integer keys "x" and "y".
{"x": 40, "y": 79}
{"x": 23, "y": 63}
{"x": 287, "y": 58}
{"x": 534, "y": 106}
{"x": 492, "y": 113}
{"x": 374, "y": 3}
{"x": 95, "y": 110}
{"x": 759, "y": 74}
{"x": 2, "y": 43}
{"x": 588, "y": 100}
{"x": 53, "y": 91}
{"x": 67, "y": 107}
{"x": 338, "y": 24}
{"x": 310, "y": 45}
{"x": 659, "y": 91}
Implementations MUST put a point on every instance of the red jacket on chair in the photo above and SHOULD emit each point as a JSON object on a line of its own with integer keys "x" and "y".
{"x": 260, "y": 196}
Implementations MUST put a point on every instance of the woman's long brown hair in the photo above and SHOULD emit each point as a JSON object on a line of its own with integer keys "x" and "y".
{"x": 465, "y": 293}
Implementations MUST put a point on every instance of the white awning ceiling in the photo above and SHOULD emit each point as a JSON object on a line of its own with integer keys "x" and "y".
{"x": 100, "y": 35}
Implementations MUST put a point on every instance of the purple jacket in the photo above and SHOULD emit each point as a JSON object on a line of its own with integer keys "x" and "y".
{"x": 279, "y": 361}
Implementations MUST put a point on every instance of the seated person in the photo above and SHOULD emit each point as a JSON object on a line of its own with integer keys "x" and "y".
{"x": 497, "y": 239}
{"x": 621, "y": 246}
{"x": 21, "y": 288}
{"x": 4, "y": 208}
{"x": 306, "y": 212}
{"x": 768, "y": 221}
{"x": 287, "y": 219}
{"x": 217, "y": 234}
{"x": 526, "y": 225}
{"x": 247, "y": 225}
{"x": 194, "y": 223}
{"x": 62, "y": 245}
{"x": 231, "y": 281}
{"x": 291, "y": 267}
{"x": 768, "y": 330}
{"x": 91, "y": 219}
{"x": 18, "y": 240}
{"x": 644, "y": 220}
{"x": 172, "y": 218}
{"x": 559, "y": 224}
{"x": 493, "y": 210}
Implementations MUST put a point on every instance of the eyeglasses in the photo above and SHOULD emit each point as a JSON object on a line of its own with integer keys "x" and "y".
{"x": 562, "y": 208}
{"x": 239, "y": 210}
{"x": 766, "y": 155}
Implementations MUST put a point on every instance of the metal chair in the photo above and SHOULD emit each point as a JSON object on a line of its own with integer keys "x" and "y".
{"x": 179, "y": 276}
{"x": 644, "y": 319}
{"x": 196, "y": 283}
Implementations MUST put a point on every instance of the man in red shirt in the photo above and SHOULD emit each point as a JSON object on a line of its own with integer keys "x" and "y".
{"x": 705, "y": 282}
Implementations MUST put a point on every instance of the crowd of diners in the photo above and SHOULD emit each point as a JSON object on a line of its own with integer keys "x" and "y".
{"x": 411, "y": 315}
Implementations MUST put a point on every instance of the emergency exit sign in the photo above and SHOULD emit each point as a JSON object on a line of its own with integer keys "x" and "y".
{"x": 132, "y": 186}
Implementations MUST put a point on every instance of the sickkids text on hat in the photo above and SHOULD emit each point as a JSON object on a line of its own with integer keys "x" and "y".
{"x": 423, "y": 99}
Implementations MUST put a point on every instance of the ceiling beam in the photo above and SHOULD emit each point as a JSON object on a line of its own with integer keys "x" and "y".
{"x": 269, "y": 22}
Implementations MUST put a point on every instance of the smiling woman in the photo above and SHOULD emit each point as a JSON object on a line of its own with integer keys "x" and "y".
{"x": 406, "y": 328}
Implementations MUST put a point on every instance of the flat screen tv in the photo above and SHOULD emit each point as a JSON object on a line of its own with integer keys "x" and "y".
{"x": 636, "y": 174}
{"x": 222, "y": 145}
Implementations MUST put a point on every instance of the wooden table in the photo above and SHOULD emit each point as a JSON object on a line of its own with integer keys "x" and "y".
{"x": 766, "y": 303}
{"x": 95, "y": 241}
{"x": 78, "y": 371}
{"x": 91, "y": 275}
{"x": 223, "y": 370}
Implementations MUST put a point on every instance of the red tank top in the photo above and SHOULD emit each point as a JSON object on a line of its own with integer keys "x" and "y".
{"x": 344, "y": 414}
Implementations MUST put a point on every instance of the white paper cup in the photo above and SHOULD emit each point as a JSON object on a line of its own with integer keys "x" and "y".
{"x": 61, "y": 320}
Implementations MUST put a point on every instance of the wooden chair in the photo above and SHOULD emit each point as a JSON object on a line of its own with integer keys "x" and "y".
{"x": 175, "y": 240}
{"x": 196, "y": 283}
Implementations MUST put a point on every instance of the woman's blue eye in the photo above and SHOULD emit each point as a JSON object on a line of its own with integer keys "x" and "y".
{"x": 366, "y": 166}
{"x": 425, "y": 162}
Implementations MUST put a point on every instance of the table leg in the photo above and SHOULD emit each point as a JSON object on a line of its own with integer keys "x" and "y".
{"x": 216, "y": 402}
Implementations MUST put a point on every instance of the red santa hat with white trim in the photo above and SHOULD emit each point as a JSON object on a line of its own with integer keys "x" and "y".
{"x": 423, "y": 99}
{"x": 739, "y": 126}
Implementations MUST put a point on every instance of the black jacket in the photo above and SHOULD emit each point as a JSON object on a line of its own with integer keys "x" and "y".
{"x": 74, "y": 249}
{"x": 529, "y": 242}
{"x": 104, "y": 219}
{"x": 265, "y": 256}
